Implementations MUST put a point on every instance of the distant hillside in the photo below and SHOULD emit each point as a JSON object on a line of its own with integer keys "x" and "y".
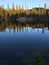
{"x": 37, "y": 8}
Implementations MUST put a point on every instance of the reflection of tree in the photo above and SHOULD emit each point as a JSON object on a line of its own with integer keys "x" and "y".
{"x": 48, "y": 25}
{"x": 20, "y": 27}
{"x": 43, "y": 26}
{"x": 2, "y": 26}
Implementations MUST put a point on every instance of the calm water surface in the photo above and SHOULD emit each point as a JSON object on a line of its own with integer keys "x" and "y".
{"x": 17, "y": 40}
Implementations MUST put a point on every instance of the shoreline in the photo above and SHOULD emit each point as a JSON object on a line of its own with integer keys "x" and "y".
{"x": 25, "y": 19}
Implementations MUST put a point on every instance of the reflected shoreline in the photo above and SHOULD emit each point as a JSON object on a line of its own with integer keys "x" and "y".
{"x": 21, "y": 26}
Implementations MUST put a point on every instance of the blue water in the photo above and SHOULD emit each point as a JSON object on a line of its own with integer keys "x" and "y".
{"x": 15, "y": 43}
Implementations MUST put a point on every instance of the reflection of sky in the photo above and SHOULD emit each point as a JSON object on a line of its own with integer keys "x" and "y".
{"x": 24, "y": 40}
{"x": 34, "y": 3}
{"x": 13, "y": 44}
{"x": 29, "y": 35}
{"x": 25, "y": 30}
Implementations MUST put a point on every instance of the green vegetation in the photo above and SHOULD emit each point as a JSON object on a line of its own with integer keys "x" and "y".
{"x": 36, "y": 57}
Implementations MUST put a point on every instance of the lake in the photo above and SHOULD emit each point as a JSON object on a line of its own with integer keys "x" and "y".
{"x": 18, "y": 41}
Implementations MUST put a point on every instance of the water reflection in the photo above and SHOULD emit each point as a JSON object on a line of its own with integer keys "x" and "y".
{"x": 9, "y": 26}
{"x": 29, "y": 39}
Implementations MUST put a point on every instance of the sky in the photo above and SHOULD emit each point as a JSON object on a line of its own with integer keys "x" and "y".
{"x": 29, "y": 3}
